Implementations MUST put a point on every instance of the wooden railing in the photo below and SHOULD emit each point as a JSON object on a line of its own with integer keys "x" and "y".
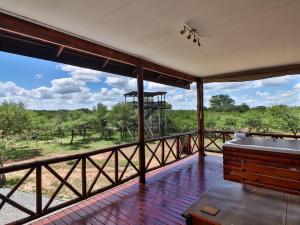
{"x": 97, "y": 171}
{"x": 166, "y": 150}
{"x": 214, "y": 140}
{"x": 100, "y": 170}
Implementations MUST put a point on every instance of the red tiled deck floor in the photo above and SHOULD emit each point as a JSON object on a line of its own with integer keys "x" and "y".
{"x": 168, "y": 192}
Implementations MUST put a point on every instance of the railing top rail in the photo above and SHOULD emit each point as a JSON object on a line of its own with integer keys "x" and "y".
{"x": 170, "y": 137}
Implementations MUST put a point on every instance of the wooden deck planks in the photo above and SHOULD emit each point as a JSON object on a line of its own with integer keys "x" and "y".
{"x": 168, "y": 192}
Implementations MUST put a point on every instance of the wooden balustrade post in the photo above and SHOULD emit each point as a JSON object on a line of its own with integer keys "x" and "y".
{"x": 116, "y": 166}
{"x": 141, "y": 124}
{"x": 83, "y": 176}
{"x": 38, "y": 182}
{"x": 177, "y": 147}
{"x": 163, "y": 152}
{"x": 189, "y": 144}
{"x": 200, "y": 117}
{"x": 224, "y": 136}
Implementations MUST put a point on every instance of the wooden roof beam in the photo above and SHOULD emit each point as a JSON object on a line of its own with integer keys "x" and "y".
{"x": 42, "y": 32}
{"x": 254, "y": 74}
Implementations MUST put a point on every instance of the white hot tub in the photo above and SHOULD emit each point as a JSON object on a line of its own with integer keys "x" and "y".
{"x": 266, "y": 144}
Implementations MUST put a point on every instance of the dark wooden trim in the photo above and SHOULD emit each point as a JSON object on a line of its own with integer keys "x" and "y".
{"x": 141, "y": 124}
{"x": 163, "y": 152}
{"x": 43, "y": 33}
{"x": 129, "y": 161}
{"x": 61, "y": 185}
{"x": 200, "y": 116}
{"x": 83, "y": 177}
{"x": 38, "y": 179}
{"x": 254, "y": 74}
{"x": 153, "y": 154}
{"x": 116, "y": 166}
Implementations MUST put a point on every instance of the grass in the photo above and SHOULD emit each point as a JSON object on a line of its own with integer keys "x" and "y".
{"x": 18, "y": 153}
{"x": 23, "y": 150}
{"x": 12, "y": 181}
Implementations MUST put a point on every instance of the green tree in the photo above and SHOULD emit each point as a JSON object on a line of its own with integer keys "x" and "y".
{"x": 61, "y": 118}
{"x": 252, "y": 121}
{"x": 242, "y": 108}
{"x": 122, "y": 116}
{"x": 230, "y": 123}
{"x": 14, "y": 119}
{"x": 221, "y": 103}
{"x": 102, "y": 119}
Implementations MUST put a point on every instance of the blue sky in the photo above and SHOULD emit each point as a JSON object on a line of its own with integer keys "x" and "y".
{"x": 47, "y": 85}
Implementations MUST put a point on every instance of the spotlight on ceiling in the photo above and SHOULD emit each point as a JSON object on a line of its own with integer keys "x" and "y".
{"x": 191, "y": 32}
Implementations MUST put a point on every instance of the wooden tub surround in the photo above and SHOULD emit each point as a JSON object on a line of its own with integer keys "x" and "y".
{"x": 276, "y": 170}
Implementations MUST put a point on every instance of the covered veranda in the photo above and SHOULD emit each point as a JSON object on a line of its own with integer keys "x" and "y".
{"x": 247, "y": 41}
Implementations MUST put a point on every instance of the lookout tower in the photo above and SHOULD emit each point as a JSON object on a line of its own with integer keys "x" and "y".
{"x": 155, "y": 113}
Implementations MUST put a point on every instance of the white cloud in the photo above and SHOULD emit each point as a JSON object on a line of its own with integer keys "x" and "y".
{"x": 262, "y": 94}
{"x": 42, "y": 93}
{"x": 38, "y": 76}
{"x": 11, "y": 89}
{"x": 124, "y": 83}
{"x": 226, "y": 87}
{"x": 78, "y": 73}
{"x": 73, "y": 91}
{"x": 67, "y": 85}
{"x": 297, "y": 86}
{"x": 274, "y": 81}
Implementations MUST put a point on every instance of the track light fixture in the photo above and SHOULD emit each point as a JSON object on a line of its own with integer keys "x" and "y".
{"x": 191, "y": 32}
{"x": 183, "y": 31}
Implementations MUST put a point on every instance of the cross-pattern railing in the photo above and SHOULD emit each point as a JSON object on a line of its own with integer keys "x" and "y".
{"x": 83, "y": 175}
{"x": 104, "y": 174}
{"x": 166, "y": 150}
{"x": 214, "y": 140}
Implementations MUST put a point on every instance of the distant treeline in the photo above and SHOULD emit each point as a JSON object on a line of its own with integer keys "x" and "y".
{"x": 222, "y": 114}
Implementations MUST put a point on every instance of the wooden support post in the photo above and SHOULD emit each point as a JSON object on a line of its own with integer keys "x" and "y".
{"x": 224, "y": 136}
{"x": 200, "y": 117}
{"x": 83, "y": 177}
{"x": 163, "y": 151}
{"x": 38, "y": 180}
{"x": 141, "y": 124}
{"x": 177, "y": 147}
{"x": 116, "y": 166}
{"x": 189, "y": 144}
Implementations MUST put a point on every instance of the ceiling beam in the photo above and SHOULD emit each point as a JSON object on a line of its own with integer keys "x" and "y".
{"x": 254, "y": 74}
{"x": 36, "y": 31}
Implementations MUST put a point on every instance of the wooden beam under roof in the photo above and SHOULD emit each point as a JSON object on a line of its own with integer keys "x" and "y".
{"x": 12, "y": 43}
{"x": 254, "y": 74}
{"x": 26, "y": 29}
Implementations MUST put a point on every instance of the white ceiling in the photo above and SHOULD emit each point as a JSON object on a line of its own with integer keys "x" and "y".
{"x": 235, "y": 34}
